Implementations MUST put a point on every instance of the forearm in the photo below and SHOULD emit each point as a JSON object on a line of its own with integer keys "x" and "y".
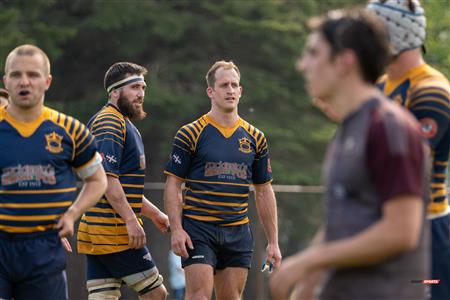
{"x": 149, "y": 210}
{"x": 93, "y": 188}
{"x": 173, "y": 202}
{"x": 118, "y": 200}
{"x": 267, "y": 211}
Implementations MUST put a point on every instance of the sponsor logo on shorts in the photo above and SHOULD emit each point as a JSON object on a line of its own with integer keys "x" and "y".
{"x": 147, "y": 257}
{"x": 198, "y": 257}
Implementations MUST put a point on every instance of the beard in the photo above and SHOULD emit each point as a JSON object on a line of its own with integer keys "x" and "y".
{"x": 129, "y": 110}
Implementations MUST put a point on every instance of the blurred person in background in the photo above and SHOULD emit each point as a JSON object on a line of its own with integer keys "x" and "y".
{"x": 374, "y": 241}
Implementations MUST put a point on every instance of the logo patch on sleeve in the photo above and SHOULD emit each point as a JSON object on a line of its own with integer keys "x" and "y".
{"x": 429, "y": 127}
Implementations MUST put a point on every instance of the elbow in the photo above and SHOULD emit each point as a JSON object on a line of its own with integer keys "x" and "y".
{"x": 410, "y": 242}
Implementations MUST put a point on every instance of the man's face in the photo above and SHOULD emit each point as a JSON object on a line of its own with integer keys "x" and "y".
{"x": 131, "y": 100}
{"x": 227, "y": 91}
{"x": 319, "y": 70}
{"x": 26, "y": 81}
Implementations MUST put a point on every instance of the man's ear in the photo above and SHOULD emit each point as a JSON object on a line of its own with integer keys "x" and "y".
{"x": 209, "y": 91}
{"x": 346, "y": 61}
{"x": 114, "y": 94}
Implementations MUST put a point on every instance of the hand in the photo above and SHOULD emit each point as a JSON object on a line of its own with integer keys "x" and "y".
{"x": 180, "y": 239}
{"x": 273, "y": 255}
{"x": 136, "y": 234}
{"x": 295, "y": 269}
{"x": 161, "y": 222}
{"x": 65, "y": 223}
{"x": 66, "y": 244}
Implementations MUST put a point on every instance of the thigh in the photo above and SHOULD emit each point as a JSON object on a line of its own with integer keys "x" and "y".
{"x": 42, "y": 288}
{"x": 229, "y": 283}
{"x": 122, "y": 264}
{"x": 204, "y": 239}
{"x": 237, "y": 247}
{"x": 39, "y": 270}
{"x": 199, "y": 281}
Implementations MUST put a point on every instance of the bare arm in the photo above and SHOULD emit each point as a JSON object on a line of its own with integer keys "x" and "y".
{"x": 93, "y": 188}
{"x": 152, "y": 212}
{"x": 267, "y": 211}
{"x": 173, "y": 202}
{"x": 308, "y": 288}
{"x": 397, "y": 231}
{"x": 116, "y": 197}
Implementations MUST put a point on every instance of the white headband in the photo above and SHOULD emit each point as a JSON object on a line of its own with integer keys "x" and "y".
{"x": 124, "y": 82}
{"x": 406, "y": 28}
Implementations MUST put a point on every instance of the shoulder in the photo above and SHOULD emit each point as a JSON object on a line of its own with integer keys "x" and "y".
{"x": 70, "y": 124}
{"x": 429, "y": 80}
{"x": 252, "y": 130}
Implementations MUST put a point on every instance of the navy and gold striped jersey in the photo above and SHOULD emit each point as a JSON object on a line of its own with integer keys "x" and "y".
{"x": 36, "y": 168}
{"x": 101, "y": 229}
{"x": 426, "y": 93}
{"x": 218, "y": 166}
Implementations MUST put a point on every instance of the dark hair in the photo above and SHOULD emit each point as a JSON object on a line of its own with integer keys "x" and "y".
{"x": 360, "y": 31}
{"x": 121, "y": 70}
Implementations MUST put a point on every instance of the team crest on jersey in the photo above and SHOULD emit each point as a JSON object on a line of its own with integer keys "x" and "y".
{"x": 244, "y": 145}
{"x": 54, "y": 142}
{"x": 429, "y": 127}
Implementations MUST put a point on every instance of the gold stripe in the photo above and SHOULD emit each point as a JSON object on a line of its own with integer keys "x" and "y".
{"x": 177, "y": 138}
{"x": 36, "y": 205}
{"x": 106, "y": 220}
{"x": 133, "y": 185}
{"x": 103, "y": 133}
{"x": 136, "y": 175}
{"x": 203, "y": 218}
{"x": 29, "y": 218}
{"x": 184, "y": 134}
{"x": 243, "y": 221}
{"x": 171, "y": 174}
{"x": 213, "y": 211}
{"x": 39, "y": 191}
{"x": 217, "y": 203}
{"x": 439, "y": 193}
{"x": 134, "y": 195}
{"x": 434, "y": 109}
{"x": 112, "y": 174}
{"x": 217, "y": 182}
{"x": 440, "y": 175}
{"x": 431, "y": 98}
{"x": 110, "y": 140}
{"x": 13, "y": 229}
{"x": 440, "y": 163}
{"x": 217, "y": 193}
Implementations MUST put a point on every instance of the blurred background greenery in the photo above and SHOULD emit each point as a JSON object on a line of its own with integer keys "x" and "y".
{"x": 178, "y": 41}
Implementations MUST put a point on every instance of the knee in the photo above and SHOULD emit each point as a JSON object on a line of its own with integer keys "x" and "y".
{"x": 147, "y": 282}
{"x": 103, "y": 289}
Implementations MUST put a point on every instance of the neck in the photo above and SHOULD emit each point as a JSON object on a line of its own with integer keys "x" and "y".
{"x": 350, "y": 95}
{"x": 25, "y": 115}
{"x": 404, "y": 62}
{"x": 225, "y": 119}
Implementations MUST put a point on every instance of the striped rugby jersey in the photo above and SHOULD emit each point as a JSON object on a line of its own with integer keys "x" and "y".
{"x": 218, "y": 166}
{"x": 36, "y": 168}
{"x": 101, "y": 229}
{"x": 426, "y": 93}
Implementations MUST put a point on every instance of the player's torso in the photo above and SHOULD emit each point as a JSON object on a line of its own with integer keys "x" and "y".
{"x": 220, "y": 158}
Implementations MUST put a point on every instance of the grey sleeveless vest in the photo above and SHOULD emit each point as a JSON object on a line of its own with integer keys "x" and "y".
{"x": 352, "y": 205}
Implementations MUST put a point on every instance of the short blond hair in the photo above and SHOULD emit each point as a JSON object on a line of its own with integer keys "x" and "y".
{"x": 28, "y": 50}
{"x": 211, "y": 75}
